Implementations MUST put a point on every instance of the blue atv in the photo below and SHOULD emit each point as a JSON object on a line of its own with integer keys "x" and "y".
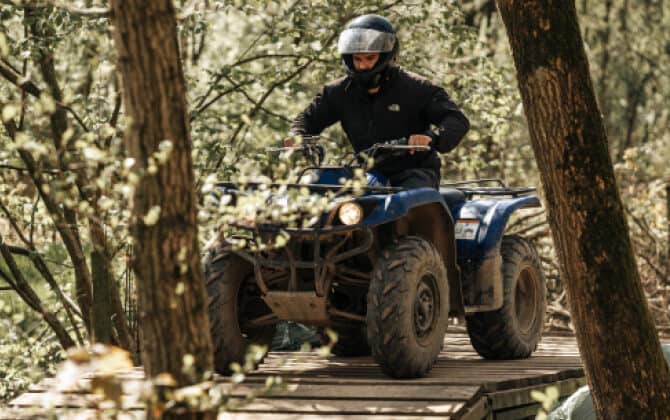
{"x": 384, "y": 270}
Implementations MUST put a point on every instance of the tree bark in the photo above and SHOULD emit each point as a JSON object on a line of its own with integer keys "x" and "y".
{"x": 667, "y": 209}
{"x": 624, "y": 363}
{"x": 605, "y": 58}
{"x": 166, "y": 262}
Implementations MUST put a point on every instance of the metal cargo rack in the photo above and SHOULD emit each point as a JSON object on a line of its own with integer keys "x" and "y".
{"x": 479, "y": 188}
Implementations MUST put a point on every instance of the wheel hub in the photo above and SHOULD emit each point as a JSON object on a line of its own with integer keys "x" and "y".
{"x": 525, "y": 300}
{"x": 426, "y": 306}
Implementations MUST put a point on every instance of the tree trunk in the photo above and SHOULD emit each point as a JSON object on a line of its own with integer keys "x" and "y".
{"x": 64, "y": 218}
{"x": 624, "y": 364}
{"x": 605, "y": 58}
{"x": 667, "y": 209}
{"x": 166, "y": 262}
{"x": 102, "y": 298}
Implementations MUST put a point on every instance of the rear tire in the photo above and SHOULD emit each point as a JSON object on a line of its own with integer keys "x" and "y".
{"x": 408, "y": 308}
{"x": 513, "y": 331}
{"x": 233, "y": 299}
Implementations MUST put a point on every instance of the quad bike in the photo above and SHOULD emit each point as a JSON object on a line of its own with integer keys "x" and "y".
{"x": 384, "y": 270}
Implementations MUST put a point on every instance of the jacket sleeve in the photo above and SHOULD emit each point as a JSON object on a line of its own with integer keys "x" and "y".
{"x": 450, "y": 123}
{"x": 318, "y": 115}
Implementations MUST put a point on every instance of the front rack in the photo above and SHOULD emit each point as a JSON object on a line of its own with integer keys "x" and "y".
{"x": 312, "y": 187}
{"x": 475, "y": 181}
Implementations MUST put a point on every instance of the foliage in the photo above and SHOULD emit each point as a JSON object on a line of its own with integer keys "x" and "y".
{"x": 28, "y": 350}
{"x": 548, "y": 399}
{"x": 251, "y": 66}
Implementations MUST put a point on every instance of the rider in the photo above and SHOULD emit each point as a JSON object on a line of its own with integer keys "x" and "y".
{"x": 378, "y": 101}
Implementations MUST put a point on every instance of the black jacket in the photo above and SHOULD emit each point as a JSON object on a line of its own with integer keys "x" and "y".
{"x": 406, "y": 104}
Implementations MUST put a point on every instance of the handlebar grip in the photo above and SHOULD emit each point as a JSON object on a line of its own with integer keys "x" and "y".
{"x": 401, "y": 141}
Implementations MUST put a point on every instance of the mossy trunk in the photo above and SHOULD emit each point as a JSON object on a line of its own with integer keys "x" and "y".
{"x": 615, "y": 331}
{"x": 166, "y": 259}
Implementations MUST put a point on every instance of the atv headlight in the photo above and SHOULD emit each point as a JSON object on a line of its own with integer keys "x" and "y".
{"x": 350, "y": 213}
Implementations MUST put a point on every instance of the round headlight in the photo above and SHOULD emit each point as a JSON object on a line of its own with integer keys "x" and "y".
{"x": 350, "y": 213}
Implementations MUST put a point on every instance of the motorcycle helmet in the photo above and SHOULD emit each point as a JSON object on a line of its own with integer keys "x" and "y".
{"x": 368, "y": 34}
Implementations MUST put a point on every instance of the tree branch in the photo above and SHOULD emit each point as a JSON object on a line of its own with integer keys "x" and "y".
{"x": 12, "y": 221}
{"x": 262, "y": 108}
{"x": 29, "y": 296}
{"x": 217, "y": 97}
{"x": 91, "y": 12}
{"x": 8, "y": 72}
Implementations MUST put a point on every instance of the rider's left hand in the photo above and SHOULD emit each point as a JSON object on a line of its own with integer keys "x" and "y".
{"x": 418, "y": 140}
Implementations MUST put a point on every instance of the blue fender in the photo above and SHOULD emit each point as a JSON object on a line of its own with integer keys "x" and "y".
{"x": 391, "y": 207}
{"x": 493, "y": 216}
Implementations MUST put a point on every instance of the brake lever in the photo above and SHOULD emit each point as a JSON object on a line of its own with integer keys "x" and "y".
{"x": 417, "y": 147}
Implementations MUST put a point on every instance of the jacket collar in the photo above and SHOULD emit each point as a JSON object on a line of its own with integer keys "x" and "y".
{"x": 387, "y": 81}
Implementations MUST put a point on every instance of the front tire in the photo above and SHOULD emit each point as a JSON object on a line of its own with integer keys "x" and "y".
{"x": 408, "y": 308}
{"x": 233, "y": 299}
{"x": 513, "y": 331}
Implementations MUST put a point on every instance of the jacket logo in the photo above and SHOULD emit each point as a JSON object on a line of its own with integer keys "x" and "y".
{"x": 394, "y": 107}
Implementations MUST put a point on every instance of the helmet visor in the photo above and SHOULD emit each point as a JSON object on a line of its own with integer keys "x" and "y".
{"x": 362, "y": 40}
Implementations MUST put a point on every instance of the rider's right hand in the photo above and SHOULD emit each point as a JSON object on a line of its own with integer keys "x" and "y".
{"x": 289, "y": 141}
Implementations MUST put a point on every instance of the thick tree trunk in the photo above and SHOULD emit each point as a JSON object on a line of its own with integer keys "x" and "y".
{"x": 615, "y": 331}
{"x": 166, "y": 262}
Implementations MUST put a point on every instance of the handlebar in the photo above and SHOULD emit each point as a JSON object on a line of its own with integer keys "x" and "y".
{"x": 399, "y": 144}
{"x": 316, "y": 152}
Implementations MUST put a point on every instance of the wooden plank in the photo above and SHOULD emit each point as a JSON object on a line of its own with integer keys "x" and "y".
{"x": 332, "y": 387}
{"x": 524, "y": 412}
{"x": 287, "y": 416}
{"x": 477, "y": 411}
{"x": 58, "y": 400}
{"x": 520, "y": 397}
{"x": 69, "y": 413}
{"x": 359, "y": 392}
{"x": 352, "y": 407}
{"x": 389, "y": 391}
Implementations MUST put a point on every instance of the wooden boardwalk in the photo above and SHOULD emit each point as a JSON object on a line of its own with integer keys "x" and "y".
{"x": 461, "y": 386}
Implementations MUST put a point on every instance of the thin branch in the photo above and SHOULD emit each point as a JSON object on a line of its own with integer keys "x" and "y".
{"x": 9, "y": 73}
{"x": 26, "y": 85}
{"x": 525, "y": 218}
{"x": 40, "y": 264}
{"x": 7, "y": 279}
{"x": 22, "y": 170}
{"x": 217, "y": 97}
{"x": 660, "y": 274}
{"x": 92, "y": 12}
{"x": 114, "y": 119}
{"x": 15, "y": 225}
{"x": 24, "y": 72}
{"x": 526, "y": 229}
{"x": 31, "y": 298}
{"x": 13, "y": 168}
{"x": 262, "y": 56}
{"x": 31, "y": 234}
{"x": 258, "y": 105}
{"x": 242, "y": 61}
{"x": 267, "y": 111}
{"x": 643, "y": 225}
